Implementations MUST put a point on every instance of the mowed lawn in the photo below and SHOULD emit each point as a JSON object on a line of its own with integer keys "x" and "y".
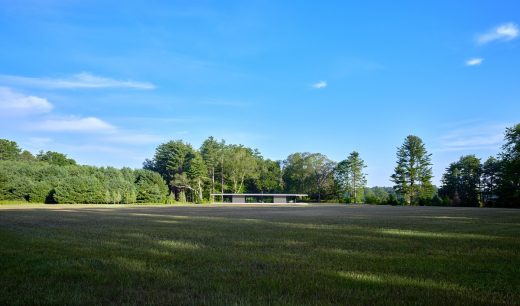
{"x": 258, "y": 255}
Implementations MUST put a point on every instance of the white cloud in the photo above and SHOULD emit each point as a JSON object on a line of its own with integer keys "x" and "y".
{"x": 503, "y": 32}
{"x": 81, "y": 80}
{"x": 14, "y": 103}
{"x": 483, "y": 137}
{"x": 320, "y": 85}
{"x": 74, "y": 124}
{"x": 474, "y": 61}
{"x": 40, "y": 140}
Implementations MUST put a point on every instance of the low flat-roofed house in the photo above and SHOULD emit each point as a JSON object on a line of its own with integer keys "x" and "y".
{"x": 246, "y": 198}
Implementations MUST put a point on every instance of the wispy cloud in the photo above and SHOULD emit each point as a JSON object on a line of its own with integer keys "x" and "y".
{"x": 80, "y": 80}
{"x": 39, "y": 140}
{"x": 474, "y": 61}
{"x": 14, "y": 103}
{"x": 74, "y": 124}
{"x": 319, "y": 85}
{"x": 503, "y": 32}
{"x": 482, "y": 137}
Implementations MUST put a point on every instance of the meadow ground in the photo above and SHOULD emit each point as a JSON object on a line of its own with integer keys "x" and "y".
{"x": 256, "y": 255}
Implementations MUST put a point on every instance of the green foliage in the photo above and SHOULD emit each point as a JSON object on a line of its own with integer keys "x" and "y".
{"x": 297, "y": 173}
{"x": 81, "y": 189}
{"x": 53, "y": 178}
{"x": 351, "y": 178}
{"x": 495, "y": 183}
{"x": 437, "y": 201}
{"x": 24, "y": 181}
{"x": 310, "y": 173}
{"x": 380, "y": 195}
{"x": 322, "y": 169}
{"x": 240, "y": 163}
{"x": 212, "y": 153}
{"x": 9, "y": 150}
{"x": 413, "y": 173}
{"x": 119, "y": 190}
{"x": 178, "y": 173}
{"x": 41, "y": 192}
{"x": 26, "y": 156}
{"x": 270, "y": 176}
{"x": 461, "y": 181}
{"x": 491, "y": 175}
{"x": 197, "y": 175}
{"x": 150, "y": 187}
{"x": 172, "y": 160}
{"x": 509, "y": 185}
{"x": 55, "y": 158}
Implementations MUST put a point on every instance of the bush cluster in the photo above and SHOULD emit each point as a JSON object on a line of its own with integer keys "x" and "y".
{"x": 42, "y": 182}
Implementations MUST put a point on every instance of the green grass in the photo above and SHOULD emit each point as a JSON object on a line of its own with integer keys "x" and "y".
{"x": 251, "y": 255}
{"x": 15, "y": 202}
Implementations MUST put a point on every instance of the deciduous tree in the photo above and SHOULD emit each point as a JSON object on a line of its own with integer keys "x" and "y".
{"x": 239, "y": 164}
{"x": 461, "y": 181}
{"x": 55, "y": 158}
{"x": 9, "y": 150}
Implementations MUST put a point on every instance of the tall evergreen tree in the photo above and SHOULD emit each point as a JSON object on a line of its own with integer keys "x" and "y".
{"x": 197, "y": 174}
{"x": 150, "y": 187}
{"x": 172, "y": 160}
{"x": 212, "y": 152}
{"x": 351, "y": 176}
{"x": 509, "y": 187}
{"x": 491, "y": 173}
{"x": 413, "y": 173}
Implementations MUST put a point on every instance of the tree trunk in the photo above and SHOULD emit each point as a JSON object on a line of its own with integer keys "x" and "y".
{"x": 222, "y": 178}
{"x": 354, "y": 186}
{"x": 200, "y": 191}
{"x": 241, "y": 183}
{"x": 213, "y": 179}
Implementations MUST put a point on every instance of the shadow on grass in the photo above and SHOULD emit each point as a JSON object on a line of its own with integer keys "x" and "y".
{"x": 193, "y": 256}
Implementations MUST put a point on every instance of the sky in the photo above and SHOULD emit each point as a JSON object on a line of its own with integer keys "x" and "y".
{"x": 106, "y": 82}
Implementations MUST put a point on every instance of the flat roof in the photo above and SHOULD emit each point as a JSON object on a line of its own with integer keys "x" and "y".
{"x": 261, "y": 194}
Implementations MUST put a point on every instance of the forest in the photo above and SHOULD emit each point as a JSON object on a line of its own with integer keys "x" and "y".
{"x": 179, "y": 173}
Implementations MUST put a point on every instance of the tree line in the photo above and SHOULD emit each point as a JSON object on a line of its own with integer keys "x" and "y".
{"x": 177, "y": 172}
{"x": 52, "y": 177}
{"x": 216, "y": 167}
{"x": 495, "y": 183}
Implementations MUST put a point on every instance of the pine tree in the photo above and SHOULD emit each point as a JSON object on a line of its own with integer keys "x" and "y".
{"x": 490, "y": 179}
{"x": 509, "y": 187}
{"x": 413, "y": 173}
{"x": 197, "y": 175}
{"x": 351, "y": 177}
{"x": 212, "y": 152}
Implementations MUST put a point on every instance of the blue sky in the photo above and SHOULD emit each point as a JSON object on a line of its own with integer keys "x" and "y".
{"x": 105, "y": 81}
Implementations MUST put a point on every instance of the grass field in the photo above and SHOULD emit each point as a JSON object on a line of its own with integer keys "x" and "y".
{"x": 256, "y": 255}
